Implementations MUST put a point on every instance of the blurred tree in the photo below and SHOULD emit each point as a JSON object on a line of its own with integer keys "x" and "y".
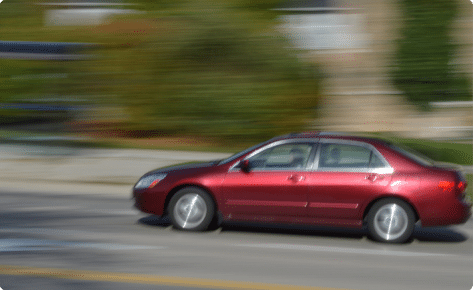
{"x": 212, "y": 68}
{"x": 216, "y": 68}
{"x": 424, "y": 68}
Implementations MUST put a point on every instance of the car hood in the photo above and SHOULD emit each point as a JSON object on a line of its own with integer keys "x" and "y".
{"x": 184, "y": 166}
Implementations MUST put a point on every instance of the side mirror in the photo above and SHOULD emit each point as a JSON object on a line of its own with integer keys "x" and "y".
{"x": 245, "y": 166}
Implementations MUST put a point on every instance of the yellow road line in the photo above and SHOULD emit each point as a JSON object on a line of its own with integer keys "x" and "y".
{"x": 146, "y": 279}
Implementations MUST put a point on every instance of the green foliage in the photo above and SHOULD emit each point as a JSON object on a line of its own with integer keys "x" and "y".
{"x": 209, "y": 69}
{"x": 423, "y": 68}
{"x": 213, "y": 68}
{"x": 31, "y": 82}
{"x": 443, "y": 151}
{"x": 26, "y": 80}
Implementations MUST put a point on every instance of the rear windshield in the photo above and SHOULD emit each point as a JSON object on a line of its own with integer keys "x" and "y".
{"x": 413, "y": 155}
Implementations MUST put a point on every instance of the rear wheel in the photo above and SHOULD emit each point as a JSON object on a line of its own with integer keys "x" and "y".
{"x": 391, "y": 221}
{"x": 191, "y": 209}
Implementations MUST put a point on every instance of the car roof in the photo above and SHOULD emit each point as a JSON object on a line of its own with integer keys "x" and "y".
{"x": 332, "y": 135}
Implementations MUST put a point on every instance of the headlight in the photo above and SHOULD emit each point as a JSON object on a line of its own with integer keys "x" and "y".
{"x": 150, "y": 181}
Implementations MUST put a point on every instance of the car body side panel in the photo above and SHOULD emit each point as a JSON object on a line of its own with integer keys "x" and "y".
{"x": 350, "y": 223}
{"x": 440, "y": 206}
{"x": 403, "y": 186}
{"x": 266, "y": 193}
{"x": 342, "y": 195}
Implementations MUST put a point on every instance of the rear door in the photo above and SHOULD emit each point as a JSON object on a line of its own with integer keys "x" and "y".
{"x": 344, "y": 177}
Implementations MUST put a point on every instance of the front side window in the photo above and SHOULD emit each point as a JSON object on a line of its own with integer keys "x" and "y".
{"x": 283, "y": 157}
{"x": 345, "y": 157}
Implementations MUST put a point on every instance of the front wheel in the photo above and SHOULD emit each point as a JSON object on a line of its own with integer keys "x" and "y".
{"x": 191, "y": 209}
{"x": 391, "y": 221}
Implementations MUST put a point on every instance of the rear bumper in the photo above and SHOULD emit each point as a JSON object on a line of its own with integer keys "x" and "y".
{"x": 456, "y": 213}
{"x": 467, "y": 214}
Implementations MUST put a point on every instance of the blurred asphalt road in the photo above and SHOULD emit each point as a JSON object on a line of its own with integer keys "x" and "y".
{"x": 87, "y": 171}
{"x": 69, "y": 170}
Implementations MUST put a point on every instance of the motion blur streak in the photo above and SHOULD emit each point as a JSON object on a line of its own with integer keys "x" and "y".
{"x": 146, "y": 279}
{"x": 339, "y": 250}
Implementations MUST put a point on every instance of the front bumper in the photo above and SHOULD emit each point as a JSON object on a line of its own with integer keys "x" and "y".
{"x": 148, "y": 202}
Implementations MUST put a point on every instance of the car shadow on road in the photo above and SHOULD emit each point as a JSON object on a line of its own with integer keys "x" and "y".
{"x": 439, "y": 234}
{"x": 431, "y": 234}
{"x": 295, "y": 230}
{"x": 153, "y": 220}
{"x": 279, "y": 229}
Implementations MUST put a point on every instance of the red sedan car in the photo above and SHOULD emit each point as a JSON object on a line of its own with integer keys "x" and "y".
{"x": 311, "y": 178}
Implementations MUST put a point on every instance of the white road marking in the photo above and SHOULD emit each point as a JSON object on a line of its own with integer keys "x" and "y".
{"x": 340, "y": 250}
{"x": 46, "y": 231}
{"x": 75, "y": 208}
{"x": 44, "y": 208}
{"x": 21, "y": 245}
{"x": 114, "y": 212}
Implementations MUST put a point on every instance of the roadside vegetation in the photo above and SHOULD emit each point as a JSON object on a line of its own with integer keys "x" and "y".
{"x": 217, "y": 69}
{"x": 441, "y": 151}
{"x": 425, "y": 69}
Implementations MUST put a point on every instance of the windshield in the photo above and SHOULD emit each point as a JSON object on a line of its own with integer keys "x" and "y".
{"x": 239, "y": 154}
{"x": 414, "y": 155}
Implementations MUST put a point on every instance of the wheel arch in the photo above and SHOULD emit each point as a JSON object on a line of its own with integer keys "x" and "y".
{"x": 370, "y": 205}
{"x": 173, "y": 191}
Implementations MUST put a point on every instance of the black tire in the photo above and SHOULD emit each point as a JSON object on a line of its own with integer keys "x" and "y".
{"x": 391, "y": 220}
{"x": 191, "y": 209}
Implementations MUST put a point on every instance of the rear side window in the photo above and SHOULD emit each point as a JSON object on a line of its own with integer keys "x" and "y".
{"x": 346, "y": 157}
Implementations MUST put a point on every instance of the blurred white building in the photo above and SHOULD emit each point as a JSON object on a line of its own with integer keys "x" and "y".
{"x": 83, "y": 12}
{"x": 355, "y": 43}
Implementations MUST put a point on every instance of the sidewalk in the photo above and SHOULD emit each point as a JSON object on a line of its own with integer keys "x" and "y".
{"x": 81, "y": 171}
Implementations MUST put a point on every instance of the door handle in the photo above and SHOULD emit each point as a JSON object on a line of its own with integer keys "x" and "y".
{"x": 373, "y": 177}
{"x": 370, "y": 177}
{"x": 296, "y": 178}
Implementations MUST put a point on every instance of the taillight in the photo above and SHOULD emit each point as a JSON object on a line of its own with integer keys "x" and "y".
{"x": 461, "y": 186}
{"x": 446, "y": 185}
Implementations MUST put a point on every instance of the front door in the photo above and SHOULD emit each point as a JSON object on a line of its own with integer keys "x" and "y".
{"x": 274, "y": 186}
